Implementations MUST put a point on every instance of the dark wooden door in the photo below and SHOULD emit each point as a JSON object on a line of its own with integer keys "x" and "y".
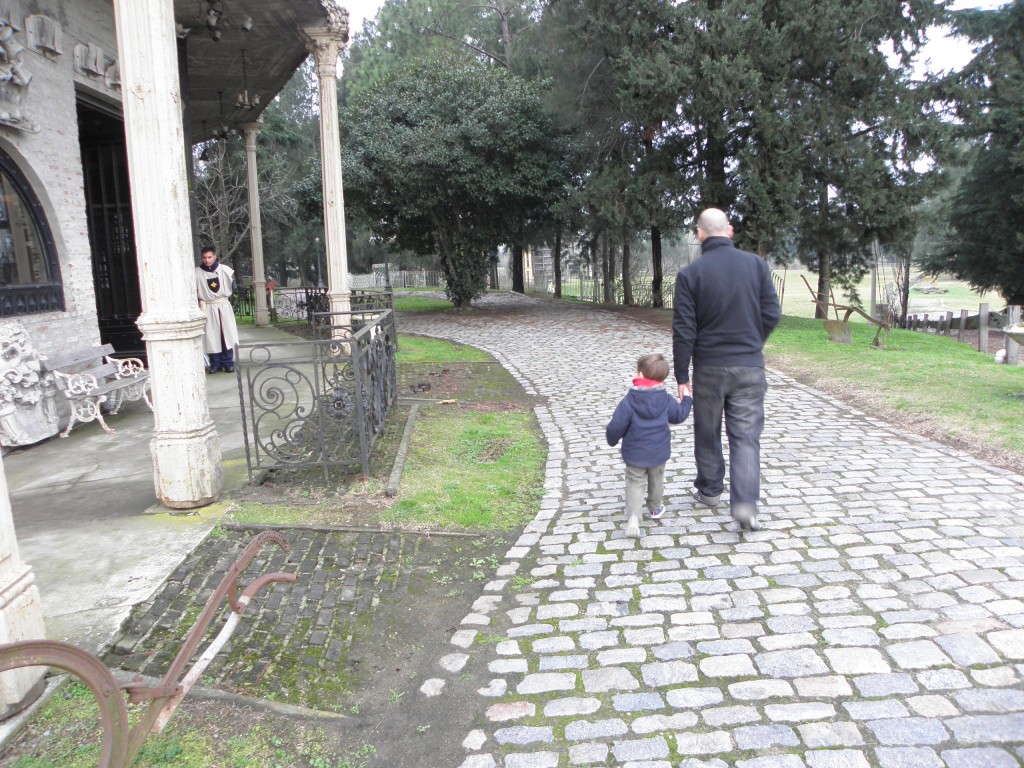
{"x": 115, "y": 268}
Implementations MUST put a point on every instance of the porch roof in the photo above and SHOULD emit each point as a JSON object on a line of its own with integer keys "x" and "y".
{"x": 274, "y": 46}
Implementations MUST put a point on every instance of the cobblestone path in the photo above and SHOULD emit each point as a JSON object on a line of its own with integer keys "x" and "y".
{"x": 877, "y": 620}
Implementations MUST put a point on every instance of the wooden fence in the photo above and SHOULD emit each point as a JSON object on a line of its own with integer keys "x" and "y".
{"x": 944, "y": 323}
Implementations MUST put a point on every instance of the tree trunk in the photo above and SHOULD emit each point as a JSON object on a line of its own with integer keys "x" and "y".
{"x": 717, "y": 191}
{"x": 824, "y": 283}
{"x": 824, "y": 263}
{"x": 608, "y": 259}
{"x": 502, "y": 9}
{"x": 627, "y": 279}
{"x": 517, "y": 269}
{"x": 905, "y": 291}
{"x": 657, "y": 300}
{"x": 556, "y": 261}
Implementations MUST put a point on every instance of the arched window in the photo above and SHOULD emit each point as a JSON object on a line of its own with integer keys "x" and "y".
{"x": 29, "y": 271}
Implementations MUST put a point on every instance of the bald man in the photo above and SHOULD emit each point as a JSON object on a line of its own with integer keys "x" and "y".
{"x": 724, "y": 309}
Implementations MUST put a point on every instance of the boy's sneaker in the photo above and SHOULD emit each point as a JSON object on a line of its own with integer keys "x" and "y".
{"x": 633, "y": 528}
{"x": 707, "y": 501}
{"x": 657, "y": 513}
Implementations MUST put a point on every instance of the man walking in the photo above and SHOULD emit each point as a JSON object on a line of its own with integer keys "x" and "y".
{"x": 725, "y": 308}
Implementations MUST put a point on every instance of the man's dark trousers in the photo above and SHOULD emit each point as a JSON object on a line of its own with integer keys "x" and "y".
{"x": 738, "y": 393}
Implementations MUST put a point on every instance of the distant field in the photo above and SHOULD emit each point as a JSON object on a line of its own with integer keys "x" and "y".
{"x": 950, "y": 295}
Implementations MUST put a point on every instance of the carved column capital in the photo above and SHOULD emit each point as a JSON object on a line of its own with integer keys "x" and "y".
{"x": 326, "y": 46}
{"x": 254, "y": 127}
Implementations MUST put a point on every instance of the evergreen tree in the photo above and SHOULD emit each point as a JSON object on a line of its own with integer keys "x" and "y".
{"x": 451, "y": 157}
{"x": 986, "y": 239}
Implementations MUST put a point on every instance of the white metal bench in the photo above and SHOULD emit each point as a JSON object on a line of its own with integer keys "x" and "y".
{"x": 94, "y": 382}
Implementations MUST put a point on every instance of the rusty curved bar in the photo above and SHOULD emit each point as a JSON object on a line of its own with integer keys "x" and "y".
{"x": 92, "y": 672}
{"x": 227, "y": 587}
{"x": 170, "y": 686}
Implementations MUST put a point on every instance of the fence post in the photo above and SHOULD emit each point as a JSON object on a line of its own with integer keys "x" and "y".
{"x": 924, "y": 322}
{"x": 983, "y": 328}
{"x": 949, "y": 322}
{"x": 963, "y": 325}
{"x": 1012, "y": 347}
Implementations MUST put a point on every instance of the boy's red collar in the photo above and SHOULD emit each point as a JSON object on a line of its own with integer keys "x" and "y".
{"x": 642, "y": 382}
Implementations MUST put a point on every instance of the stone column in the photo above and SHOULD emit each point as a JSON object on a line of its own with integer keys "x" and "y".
{"x": 21, "y": 615}
{"x": 251, "y": 132}
{"x": 326, "y": 45}
{"x": 185, "y": 447}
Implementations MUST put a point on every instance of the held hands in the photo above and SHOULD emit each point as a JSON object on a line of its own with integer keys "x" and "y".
{"x": 685, "y": 390}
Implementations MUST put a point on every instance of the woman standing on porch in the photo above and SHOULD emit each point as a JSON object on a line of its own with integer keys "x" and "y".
{"x": 214, "y": 285}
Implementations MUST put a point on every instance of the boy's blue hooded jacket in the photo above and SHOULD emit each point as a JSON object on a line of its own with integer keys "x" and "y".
{"x": 641, "y": 422}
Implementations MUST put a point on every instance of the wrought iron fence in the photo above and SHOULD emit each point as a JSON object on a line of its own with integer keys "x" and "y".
{"x": 319, "y": 403}
{"x": 299, "y": 303}
{"x": 243, "y": 301}
{"x": 591, "y": 289}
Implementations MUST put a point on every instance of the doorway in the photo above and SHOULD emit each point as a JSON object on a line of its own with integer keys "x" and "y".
{"x": 115, "y": 268}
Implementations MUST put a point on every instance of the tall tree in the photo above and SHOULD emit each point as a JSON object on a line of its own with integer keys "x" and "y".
{"x": 447, "y": 156}
{"x": 986, "y": 243}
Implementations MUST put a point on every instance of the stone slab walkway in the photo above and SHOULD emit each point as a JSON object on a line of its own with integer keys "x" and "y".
{"x": 878, "y": 620}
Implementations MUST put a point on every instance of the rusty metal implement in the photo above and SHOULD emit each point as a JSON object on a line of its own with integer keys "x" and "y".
{"x": 121, "y": 744}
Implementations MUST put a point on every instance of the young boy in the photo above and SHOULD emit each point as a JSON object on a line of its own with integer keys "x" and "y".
{"x": 641, "y": 422}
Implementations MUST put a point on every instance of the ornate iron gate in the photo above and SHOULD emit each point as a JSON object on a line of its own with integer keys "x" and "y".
{"x": 319, "y": 403}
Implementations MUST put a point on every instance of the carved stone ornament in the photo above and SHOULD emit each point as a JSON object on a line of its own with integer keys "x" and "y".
{"x": 11, "y": 14}
{"x": 28, "y": 412}
{"x": 44, "y": 35}
{"x": 90, "y": 60}
{"x": 112, "y": 77}
{"x": 326, "y": 48}
{"x": 14, "y": 81}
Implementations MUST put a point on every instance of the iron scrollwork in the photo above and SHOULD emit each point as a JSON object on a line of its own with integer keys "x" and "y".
{"x": 319, "y": 403}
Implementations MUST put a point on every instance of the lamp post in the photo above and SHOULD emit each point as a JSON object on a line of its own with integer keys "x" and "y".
{"x": 319, "y": 269}
{"x": 387, "y": 270}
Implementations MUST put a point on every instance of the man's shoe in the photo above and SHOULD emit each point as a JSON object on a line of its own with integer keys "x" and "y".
{"x": 657, "y": 513}
{"x": 633, "y": 528}
{"x": 746, "y": 516}
{"x": 707, "y": 501}
{"x": 228, "y": 369}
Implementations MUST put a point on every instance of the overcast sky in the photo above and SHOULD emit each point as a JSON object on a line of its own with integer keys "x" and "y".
{"x": 941, "y": 53}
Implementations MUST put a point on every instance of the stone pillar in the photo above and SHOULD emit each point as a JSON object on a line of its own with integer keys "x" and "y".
{"x": 251, "y": 132}
{"x": 21, "y": 615}
{"x": 185, "y": 447}
{"x": 326, "y": 44}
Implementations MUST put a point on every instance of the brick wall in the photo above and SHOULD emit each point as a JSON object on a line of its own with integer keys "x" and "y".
{"x": 51, "y": 160}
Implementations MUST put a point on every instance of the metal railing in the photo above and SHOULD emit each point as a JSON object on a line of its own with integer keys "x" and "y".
{"x": 299, "y": 303}
{"x": 319, "y": 403}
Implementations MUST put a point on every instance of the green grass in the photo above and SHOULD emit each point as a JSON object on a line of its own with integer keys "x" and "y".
{"x": 421, "y": 304}
{"x": 419, "y": 349}
{"x": 66, "y": 734}
{"x": 933, "y": 379}
{"x": 471, "y": 470}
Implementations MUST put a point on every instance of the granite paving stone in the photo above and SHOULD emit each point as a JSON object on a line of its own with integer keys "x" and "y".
{"x": 836, "y": 758}
{"x": 876, "y": 621}
{"x": 989, "y": 757}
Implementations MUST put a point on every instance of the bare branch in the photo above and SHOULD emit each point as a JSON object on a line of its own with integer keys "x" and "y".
{"x": 479, "y": 50}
